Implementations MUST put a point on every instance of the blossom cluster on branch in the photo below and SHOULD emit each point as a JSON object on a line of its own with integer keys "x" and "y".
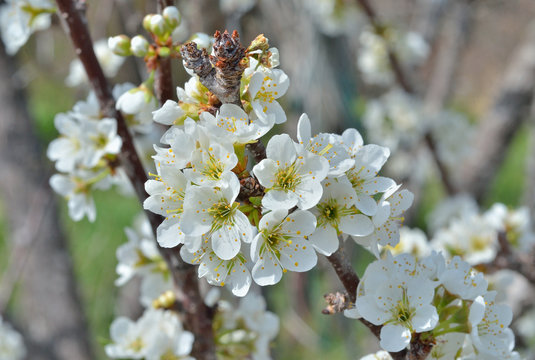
{"x": 242, "y": 215}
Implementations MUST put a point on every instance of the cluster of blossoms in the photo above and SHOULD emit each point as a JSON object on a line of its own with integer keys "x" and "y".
{"x": 373, "y": 58}
{"x": 435, "y": 300}
{"x": 11, "y": 342}
{"x": 243, "y": 221}
{"x": 399, "y": 121}
{"x": 474, "y": 236}
{"x": 311, "y": 191}
{"x": 85, "y": 152}
{"x": 21, "y": 18}
{"x": 158, "y": 334}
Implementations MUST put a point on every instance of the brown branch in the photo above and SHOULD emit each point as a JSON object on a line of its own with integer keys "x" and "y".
{"x": 220, "y": 73}
{"x": 508, "y": 258}
{"x": 163, "y": 83}
{"x": 197, "y": 316}
{"x": 498, "y": 127}
{"x": 350, "y": 280}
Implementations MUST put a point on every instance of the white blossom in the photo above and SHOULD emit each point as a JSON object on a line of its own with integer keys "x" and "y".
{"x": 166, "y": 198}
{"x": 336, "y": 214}
{"x": 291, "y": 175}
{"x": 138, "y": 105}
{"x": 233, "y": 124}
{"x": 155, "y": 335}
{"x": 394, "y": 294}
{"x": 387, "y": 219}
{"x": 232, "y": 273}
{"x": 281, "y": 245}
{"x": 213, "y": 211}
{"x": 332, "y": 147}
{"x": 265, "y": 87}
{"x": 108, "y": 60}
{"x": 460, "y": 279}
{"x": 11, "y": 342}
{"x": 21, "y": 18}
{"x": 490, "y": 333}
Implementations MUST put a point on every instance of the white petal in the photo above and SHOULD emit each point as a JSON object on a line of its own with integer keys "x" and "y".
{"x": 325, "y": 240}
{"x": 356, "y": 225}
{"x": 281, "y": 148}
{"x": 425, "y": 318}
{"x": 394, "y": 338}
{"x": 304, "y": 132}
{"x": 266, "y": 273}
{"x": 226, "y": 242}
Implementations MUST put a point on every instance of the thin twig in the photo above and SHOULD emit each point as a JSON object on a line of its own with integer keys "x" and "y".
{"x": 350, "y": 280}
{"x": 164, "y": 75}
{"x": 197, "y": 316}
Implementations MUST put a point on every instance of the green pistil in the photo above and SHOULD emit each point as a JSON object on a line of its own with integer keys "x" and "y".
{"x": 222, "y": 212}
{"x": 273, "y": 242}
{"x": 287, "y": 179}
{"x": 213, "y": 169}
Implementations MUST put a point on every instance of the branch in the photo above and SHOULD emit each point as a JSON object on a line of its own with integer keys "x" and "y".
{"x": 499, "y": 125}
{"x": 404, "y": 83}
{"x": 350, "y": 280}
{"x": 197, "y": 316}
{"x": 164, "y": 75}
{"x": 507, "y": 258}
{"x": 220, "y": 73}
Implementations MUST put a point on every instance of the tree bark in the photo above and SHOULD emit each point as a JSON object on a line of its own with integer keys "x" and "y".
{"x": 51, "y": 315}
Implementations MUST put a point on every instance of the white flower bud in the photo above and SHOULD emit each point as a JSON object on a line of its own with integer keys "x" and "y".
{"x": 157, "y": 25}
{"x": 139, "y": 46}
{"x": 119, "y": 45}
{"x": 172, "y": 16}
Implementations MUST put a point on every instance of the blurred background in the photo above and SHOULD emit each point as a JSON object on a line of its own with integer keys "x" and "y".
{"x": 479, "y": 62}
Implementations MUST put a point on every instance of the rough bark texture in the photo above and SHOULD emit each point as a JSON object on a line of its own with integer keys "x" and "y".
{"x": 498, "y": 127}
{"x": 220, "y": 73}
{"x": 197, "y": 317}
{"x": 51, "y": 315}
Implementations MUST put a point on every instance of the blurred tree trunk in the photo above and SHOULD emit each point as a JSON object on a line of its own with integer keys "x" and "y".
{"x": 51, "y": 314}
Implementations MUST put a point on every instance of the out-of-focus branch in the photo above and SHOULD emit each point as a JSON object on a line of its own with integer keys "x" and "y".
{"x": 404, "y": 83}
{"x": 197, "y": 315}
{"x": 507, "y": 258}
{"x": 51, "y": 312}
{"x": 499, "y": 125}
{"x": 457, "y": 32}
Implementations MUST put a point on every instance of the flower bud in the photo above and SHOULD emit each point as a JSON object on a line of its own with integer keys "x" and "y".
{"x": 119, "y": 45}
{"x": 139, "y": 46}
{"x": 260, "y": 43}
{"x": 164, "y": 51}
{"x": 157, "y": 25}
{"x": 146, "y": 22}
{"x": 172, "y": 16}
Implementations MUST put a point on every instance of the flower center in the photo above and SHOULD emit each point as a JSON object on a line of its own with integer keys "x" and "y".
{"x": 287, "y": 179}
{"x": 137, "y": 345}
{"x": 223, "y": 213}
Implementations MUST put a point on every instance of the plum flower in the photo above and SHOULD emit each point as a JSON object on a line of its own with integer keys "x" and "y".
{"x": 281, "y": 245}
{"x": 291, "y": 175}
